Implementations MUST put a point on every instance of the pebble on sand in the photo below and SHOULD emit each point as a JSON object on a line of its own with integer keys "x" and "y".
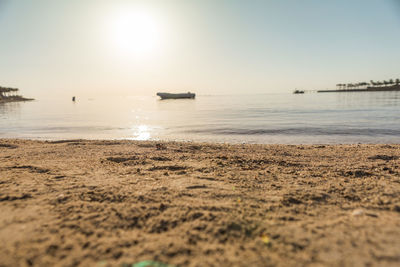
{"x": 358, "y": 212}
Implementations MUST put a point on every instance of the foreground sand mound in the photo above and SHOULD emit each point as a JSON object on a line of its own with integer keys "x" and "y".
{"x": 106, "y": 203}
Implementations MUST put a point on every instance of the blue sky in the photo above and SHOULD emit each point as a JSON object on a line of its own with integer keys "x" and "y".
{"x": 207, "y": 46}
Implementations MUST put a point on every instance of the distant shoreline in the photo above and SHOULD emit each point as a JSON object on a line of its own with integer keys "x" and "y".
{"x": 9, "y": 94}
{"x": 12, "y": 99}
{"x": 368, "y": 89}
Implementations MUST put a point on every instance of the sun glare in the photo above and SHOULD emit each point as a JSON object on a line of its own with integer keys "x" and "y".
{"x": 135, "y": 32}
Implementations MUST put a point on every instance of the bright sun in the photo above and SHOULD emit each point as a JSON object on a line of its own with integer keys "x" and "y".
{"x": 135, "y": 33}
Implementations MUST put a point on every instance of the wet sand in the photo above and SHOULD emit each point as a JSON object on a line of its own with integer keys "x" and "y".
{"x": 105, "y": 203}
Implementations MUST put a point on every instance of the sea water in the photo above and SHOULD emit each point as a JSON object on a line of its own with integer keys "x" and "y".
{"x": 311, "y": 118}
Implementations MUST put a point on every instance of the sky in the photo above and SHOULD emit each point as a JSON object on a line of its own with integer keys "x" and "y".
{"x": 94, "y": 47}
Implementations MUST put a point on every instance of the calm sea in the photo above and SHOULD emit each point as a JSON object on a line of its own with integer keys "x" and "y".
{"x": 367, "y": 117}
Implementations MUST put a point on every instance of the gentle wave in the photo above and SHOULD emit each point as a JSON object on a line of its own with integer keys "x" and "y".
{"x": 297, "y": 131}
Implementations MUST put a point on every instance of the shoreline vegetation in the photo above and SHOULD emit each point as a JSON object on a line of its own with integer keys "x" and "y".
{"x": 395, "y": 87}
{"x": 109, "y": 203}
{"x": 8, "y": 94}
{"x": 372, "y": 86}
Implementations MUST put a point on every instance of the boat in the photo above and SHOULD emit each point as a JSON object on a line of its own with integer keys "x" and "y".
{"x": 176, "y": 96}
{"x": 298, "y": 91}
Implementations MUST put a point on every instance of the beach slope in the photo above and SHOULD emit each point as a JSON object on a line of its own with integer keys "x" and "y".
{"x": 106, "y": 203}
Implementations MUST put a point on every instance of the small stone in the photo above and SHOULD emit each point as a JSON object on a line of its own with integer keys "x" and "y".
{"x": 265, "y": 239}
{"x": 396, "y": 208}
{"x": 61, "y": 197}
{"x": 357, "y": 212}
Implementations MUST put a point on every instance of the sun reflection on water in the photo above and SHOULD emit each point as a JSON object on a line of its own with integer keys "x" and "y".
{"x": 141, "y": 132}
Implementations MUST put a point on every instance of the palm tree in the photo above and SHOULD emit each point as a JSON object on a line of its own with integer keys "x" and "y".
{"x": 372, "y": 83}
{"x": 391, "y": 81}
{"x": 397, "y": 81}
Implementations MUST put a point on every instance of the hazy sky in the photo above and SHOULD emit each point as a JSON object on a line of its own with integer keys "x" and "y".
{"x": 206, "y": 46}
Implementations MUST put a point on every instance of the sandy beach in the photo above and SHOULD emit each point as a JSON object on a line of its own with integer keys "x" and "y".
{"x": 109, "y": 203}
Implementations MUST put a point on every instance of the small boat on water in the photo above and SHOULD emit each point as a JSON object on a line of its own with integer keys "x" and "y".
{"x": 298, "y": 91}
{"x": 176, "y": 96}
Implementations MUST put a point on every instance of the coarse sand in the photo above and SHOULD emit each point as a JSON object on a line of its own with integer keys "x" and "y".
{"x": 109, "y": 203}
